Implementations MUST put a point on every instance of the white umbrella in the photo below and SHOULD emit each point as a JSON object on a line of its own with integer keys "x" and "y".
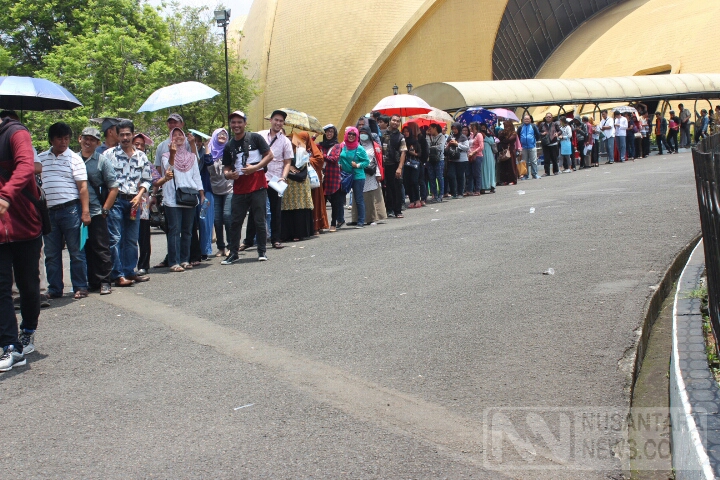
{"x": 178, "y": 94}
{"x": 625, "y": 109}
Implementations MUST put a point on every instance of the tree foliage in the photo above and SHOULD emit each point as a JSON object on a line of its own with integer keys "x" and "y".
{"x": 113, "y": 54}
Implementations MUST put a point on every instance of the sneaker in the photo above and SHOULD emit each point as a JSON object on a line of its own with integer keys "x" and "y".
{"x": 359, "y": 226}
{"x": 372, "y": 224}
{"x": 537, "y": 177}
{"x": 262, "y": 258}
{"x": 11, "y": 358}
{"x": 44, "y": 301}
{"x": 28, "y": 342}
{"x": 230, "y": 259}
{"x": 105, "y": 289}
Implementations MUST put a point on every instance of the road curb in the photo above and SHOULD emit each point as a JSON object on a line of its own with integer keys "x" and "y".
{"x": 694, "y": 394}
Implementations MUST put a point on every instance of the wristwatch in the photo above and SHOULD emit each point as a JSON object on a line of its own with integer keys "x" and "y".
{"x": 105, "y": 211}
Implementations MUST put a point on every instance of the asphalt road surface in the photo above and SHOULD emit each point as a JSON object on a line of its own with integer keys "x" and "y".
{"x": 386, "y": 352}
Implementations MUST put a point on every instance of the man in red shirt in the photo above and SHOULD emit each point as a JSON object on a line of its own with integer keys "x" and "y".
{"x": 244, "y": 161}
{"x": 20, "y": 243}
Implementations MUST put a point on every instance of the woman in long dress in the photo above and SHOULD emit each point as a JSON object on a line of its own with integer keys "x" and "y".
{"x": 297, "y": 202}
{"x": 372, "y": 191}
{"x": 507, "y": 169}
{"x": 320, "y": 219}
{"x": 488, "y": 167}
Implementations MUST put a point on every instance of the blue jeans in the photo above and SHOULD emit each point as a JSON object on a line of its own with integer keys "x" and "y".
{"x": 223, "y": 218}
{"x": 621, "y": 147}
{"x": 456, "y": 174}
{"x": 206, "y": 226}
{"x": 65, "y": 224}
{"x": 123, "y": 239}
{"x": 180, "y": 225}
{"x": 357, "y": 190}
{"x": 610, "y": 146}
{"x": 437, "y": 182}
{"x": 474, "y": 176}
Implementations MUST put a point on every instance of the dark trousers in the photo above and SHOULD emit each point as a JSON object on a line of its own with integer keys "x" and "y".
{"x": 685, "y": 135}
{"x": 410, "y": 179}
{"x": 195, "y": 252}
{"x": 337, "y": 202}
{"x": 97, "y": 251}
{"x": 646, "y": 145}
{"x": 275, "y": 220}
{"x": 23, "y": 259}
{"x": 394, "y": 198}
{"x": 673, "y": 141}
{"x": 241, "y": 203}
{"x": 595, "y": 154}
{"x": 551, "y": 152}
{"x": 143, "y": 244}
{"x": 456, "y": 177}
{"x": 660, "y": 140}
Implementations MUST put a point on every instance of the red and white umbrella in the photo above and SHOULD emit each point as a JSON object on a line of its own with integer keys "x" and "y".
{"x": 403, "y": 105}
{"x": 505, "y": 113}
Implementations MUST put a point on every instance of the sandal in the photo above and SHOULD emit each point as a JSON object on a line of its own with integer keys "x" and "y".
{"x": 177, "y": 268}
{"x": 81, "y": 294}
{"x": 399, "y": 215}
{"x": 220, "y": 253}
{"x": 194, "y": 264}
{"x": 243, "y": 247}
{"x": 278, "y": 245}
{"x": 161, "y": 265}
{"x": 186, "y": 266}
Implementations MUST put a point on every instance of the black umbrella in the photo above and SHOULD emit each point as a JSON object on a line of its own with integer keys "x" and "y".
{"x": 34, "y": 94}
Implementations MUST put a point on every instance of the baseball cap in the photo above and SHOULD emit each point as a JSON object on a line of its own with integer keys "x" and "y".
{"x": 176, "y": 117}
{"x": 91, "y": 132}
{"x": 237, "y": 113}
{"x": 278, "y": 112}
{"x": 108, "y": 122}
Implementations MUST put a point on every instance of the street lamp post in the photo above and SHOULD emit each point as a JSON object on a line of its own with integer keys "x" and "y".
{"x": 409, "y": 87}
{"x": 222, "y": 18}
{"x": 395, "y": 89}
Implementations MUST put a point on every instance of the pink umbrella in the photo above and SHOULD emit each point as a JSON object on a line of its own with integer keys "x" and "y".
{"x": 403, "y": 105}
{"x": 505, "y": 113}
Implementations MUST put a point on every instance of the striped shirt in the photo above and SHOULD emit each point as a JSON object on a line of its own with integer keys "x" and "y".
{"x": 60, "y": 175}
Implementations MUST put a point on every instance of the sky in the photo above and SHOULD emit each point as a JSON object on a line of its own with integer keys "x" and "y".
{"x": 237, "y": 7}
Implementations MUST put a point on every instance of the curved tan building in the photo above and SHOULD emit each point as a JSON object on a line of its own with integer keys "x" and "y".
{"x": 336, "y": 60}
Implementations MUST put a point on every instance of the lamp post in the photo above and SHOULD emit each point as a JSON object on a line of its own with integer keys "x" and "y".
{"x": 222, "y": 18}
{"x": 395, "y": 89}
{"x": 409, "y": 87}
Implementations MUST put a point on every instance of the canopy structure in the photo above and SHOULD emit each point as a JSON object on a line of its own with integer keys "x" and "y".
{"x": 452, "y": 96}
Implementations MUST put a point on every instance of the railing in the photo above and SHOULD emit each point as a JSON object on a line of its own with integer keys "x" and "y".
{"x": 706, "y": 159}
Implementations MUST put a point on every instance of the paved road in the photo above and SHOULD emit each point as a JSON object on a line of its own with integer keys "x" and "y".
{"x": 370, "y": 353}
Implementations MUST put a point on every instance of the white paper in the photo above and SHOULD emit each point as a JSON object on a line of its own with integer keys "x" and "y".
{"x": 277, "y": 185}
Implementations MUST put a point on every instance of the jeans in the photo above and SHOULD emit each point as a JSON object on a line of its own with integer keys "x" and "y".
{"x": 412, "y": 187}
{"x": 394, "y": 198}
{"x": 180, "y": 224}
{"x": 673, "y": 141}
{"x": 22, "y": 258}
{"x": 273, "y": 216}
{"x": 685, "y": 134}
{"x": 206, "y": 225}
{"x": 422, "y": 181}
{"x": 529, "y": 155}
{"x": 610, "y": 147}
{"x": 256, "y": 203}
{"x": 223, "y": 218}
{"x": 550, "y": 153}
{"x": 123, "y": 239}
{"x": 337, "y": 201}
{"x": 357, "y": 189}
{"x": 435, "y": 176}
{"x": 621, "y": 147}
{"x": 660, "y": 139}
{"x": 97, "y": 252}
{"x": 65, "y": 225}
{"x": 456, "y": 175}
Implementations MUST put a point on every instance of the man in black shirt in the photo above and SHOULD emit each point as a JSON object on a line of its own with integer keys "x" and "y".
{"x": 394, "y": 151}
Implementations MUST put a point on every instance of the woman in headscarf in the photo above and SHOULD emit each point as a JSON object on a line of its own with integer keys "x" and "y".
{"x": 507, "y": 153}
{"x": 297, "y": 202}
{"x": 488, "y": 167}
{"x": 181, "y": 170}
{"x": 372, "y": 191}
{"x": 411, "y": 172}
{"x": 354, "y": 160}
{"x": 222, "y": 189}
{"x": 331, "y": 182}
{"x": 456, "y": 153}
{"x": 320, "y": 220}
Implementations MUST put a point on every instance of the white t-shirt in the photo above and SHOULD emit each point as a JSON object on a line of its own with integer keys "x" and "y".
{"x": 60, "y": 175}
{"x": 609, "y": 122}
{"x": 621, "y": 126}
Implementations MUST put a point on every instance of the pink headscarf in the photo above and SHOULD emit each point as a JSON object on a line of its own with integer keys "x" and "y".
{"x": 352, "y": 145}
{"x": 184, "y": 160}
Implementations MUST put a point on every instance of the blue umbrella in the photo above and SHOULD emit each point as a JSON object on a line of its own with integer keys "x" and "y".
{"x": 178, "y": 94}
{"x": 34, "y": 94}
{"x": 478, "y": 114}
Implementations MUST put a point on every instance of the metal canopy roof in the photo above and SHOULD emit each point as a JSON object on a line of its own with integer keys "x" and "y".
{"x": 567, "y": 91}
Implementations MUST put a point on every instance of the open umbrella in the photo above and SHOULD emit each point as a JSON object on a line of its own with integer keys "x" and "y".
{"x": 203, "y": 135}
{"x": 433, "y": 116}
{"x": 34, "y": 94}
{"x": 625, "y": 109}
{"x": 301, "y": 120}
{"x": 403, "y": 105}
{"x": 176, "y": 95}
{"x": 424, "y": 122}
{"x": 505, "y": 113}
{"x": 478, "y": 114}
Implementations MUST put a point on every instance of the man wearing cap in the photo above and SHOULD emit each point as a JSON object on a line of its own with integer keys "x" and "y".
{"x": 102, "y": 192}
{"x": 134, "y": 176}
{"x": 279, "y": 167}
{"x": 244, "y": 159}
{"x": 109, "y": 129}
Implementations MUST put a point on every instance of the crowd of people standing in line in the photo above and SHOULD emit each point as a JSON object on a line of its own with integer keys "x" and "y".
{"x": 98, "y": 199}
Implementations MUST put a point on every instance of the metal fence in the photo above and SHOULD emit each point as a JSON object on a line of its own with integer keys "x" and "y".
{"x": 706, "y": 159}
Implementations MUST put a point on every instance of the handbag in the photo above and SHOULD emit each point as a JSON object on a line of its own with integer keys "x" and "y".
{"x": 505, "y": 155}
{"x": 346, "y": 181}
{"x": 371, "y": 169}
{"x": 314, "y": 178}
{"x": 186, "y": 197}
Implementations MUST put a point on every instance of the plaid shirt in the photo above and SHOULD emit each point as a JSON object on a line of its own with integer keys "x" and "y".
{"x": 331, "y": 183}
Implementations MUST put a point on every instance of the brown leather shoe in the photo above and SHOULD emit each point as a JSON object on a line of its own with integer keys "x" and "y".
{"x": 123, "y": 282}
{"x": 139, "y": 278}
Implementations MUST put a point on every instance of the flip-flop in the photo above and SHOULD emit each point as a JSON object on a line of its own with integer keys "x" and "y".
{"x": 81, "y": 294}
{"x": 161, "y": 265}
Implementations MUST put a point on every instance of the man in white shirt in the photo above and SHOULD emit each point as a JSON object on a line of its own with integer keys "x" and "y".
{"x": 65, "y": 182}
{"x": 621, "y": 125}
{"x": 607, "y": 127}
{"x": 279, "y": 167}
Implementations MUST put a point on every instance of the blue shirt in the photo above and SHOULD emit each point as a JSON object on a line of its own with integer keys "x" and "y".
{"x": 527, "y": 137}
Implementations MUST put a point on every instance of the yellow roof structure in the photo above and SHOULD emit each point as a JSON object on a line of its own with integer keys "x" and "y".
{"x": 535, "y": 92}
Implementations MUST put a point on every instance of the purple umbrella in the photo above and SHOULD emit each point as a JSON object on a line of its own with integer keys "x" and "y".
{"x": 505, "y": 113}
